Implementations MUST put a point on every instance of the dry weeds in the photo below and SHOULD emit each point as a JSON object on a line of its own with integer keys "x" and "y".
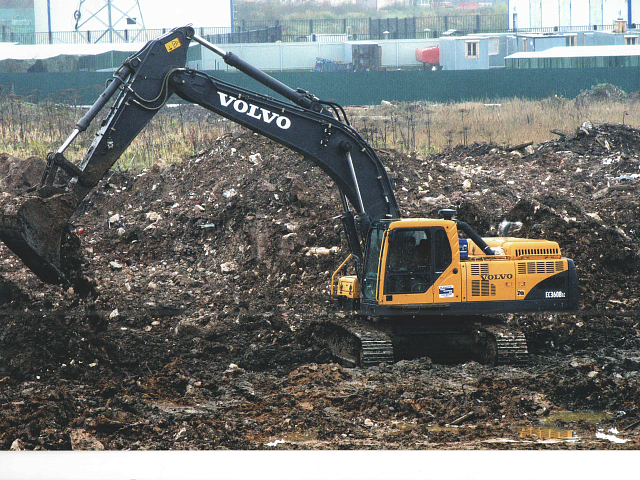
{"x": 179, "y": 131}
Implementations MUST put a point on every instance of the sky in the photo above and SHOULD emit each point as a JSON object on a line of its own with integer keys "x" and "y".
{"x": 155, "y": 13}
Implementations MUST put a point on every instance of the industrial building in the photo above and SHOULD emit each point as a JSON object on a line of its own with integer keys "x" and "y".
{"x": 520, "y": 48}
{"x": 570, "y": 14}
{"x": 528, "y": 50}
{"x": 577, "y": 57}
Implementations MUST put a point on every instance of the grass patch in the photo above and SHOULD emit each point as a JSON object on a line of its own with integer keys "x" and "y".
{"x": 424, "y": 127}
{"x": 177, "y": 132}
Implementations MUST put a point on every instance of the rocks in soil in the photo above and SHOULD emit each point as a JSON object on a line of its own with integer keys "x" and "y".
{"x": 225, "y": 258}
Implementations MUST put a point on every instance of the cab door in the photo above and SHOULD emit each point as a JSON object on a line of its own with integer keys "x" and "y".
{"x": 408, "y": 267}
{"x": 447, "y": 285}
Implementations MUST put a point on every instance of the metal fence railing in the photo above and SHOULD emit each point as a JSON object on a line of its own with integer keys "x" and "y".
{"x": 564, "y": 29}
{"x": 22, "y": 35}
{"x": 383, "y": 28}
{"x": 300, "y": 30}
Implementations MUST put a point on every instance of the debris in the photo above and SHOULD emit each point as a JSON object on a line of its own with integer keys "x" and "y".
{"x": 153, "y": 216}
{"x": 322, "y": 251}
{"x": 558, "y": 132}
{"x": 464, "y": 417}
{"x": 228, "y": 267}
{"x": 229, "y": 193}
{"x": 520, "y": 146}
{"x": 166, "y": 333}
{"x": 17, "y": 445}
{"x": 83, "y": 440}
{"x": 433, "y": 201}
{"x": 275, "y": 443}
{"x": 114, "y": 220}
{"x": 611, "y": 436}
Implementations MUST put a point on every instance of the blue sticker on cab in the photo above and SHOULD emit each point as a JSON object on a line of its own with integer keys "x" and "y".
{"x": 445, "y": 291}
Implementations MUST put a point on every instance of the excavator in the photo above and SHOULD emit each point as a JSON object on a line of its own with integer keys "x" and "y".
{"x": 421, "y": 287}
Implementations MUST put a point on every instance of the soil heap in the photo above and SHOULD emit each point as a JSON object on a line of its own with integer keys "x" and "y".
{"x": 207, "y": 275}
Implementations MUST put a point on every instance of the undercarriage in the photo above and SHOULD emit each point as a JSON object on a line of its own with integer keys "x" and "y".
{"x": 359, "y": 341}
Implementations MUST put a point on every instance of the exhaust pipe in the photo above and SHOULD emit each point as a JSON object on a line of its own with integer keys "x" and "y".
{"x": 448, "y": 214}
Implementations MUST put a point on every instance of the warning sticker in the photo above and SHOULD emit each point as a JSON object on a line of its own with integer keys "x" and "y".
{"x": 445, "y": 291}
{"x": 173, "y": 44}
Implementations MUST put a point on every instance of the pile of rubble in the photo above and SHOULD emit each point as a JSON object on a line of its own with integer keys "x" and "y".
{"x": 209, "y": 273}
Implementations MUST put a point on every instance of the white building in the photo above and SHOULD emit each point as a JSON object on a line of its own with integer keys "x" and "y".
{"x": 526, "y": 14}
{"x": 58, "y": 16}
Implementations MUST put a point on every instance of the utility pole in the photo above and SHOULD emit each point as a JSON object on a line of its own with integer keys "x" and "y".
{"x": 105, "y": 12}
{"x": 49, "y": 21}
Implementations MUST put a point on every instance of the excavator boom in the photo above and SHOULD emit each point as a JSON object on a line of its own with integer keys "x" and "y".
{"x": 428, "y": 287}
{"x": 35, "y": 225}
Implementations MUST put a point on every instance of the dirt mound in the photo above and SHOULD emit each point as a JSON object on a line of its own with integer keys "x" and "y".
{"x": 606, "y": 140}
{"x": 17, "y": 175}
{"x": 208, "y": 274}
{"x": 602, "y": 92}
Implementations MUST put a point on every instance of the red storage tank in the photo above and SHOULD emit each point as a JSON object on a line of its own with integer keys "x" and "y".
{"x": 428, "y": 55}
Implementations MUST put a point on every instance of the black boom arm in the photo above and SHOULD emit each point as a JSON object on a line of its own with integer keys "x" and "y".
{"x": 331, "y": 145}
{"x": 147, "y": 79}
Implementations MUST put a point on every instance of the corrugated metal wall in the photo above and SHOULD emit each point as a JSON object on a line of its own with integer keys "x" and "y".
{"x": 302, "y": 56}
{"x": 367, "y": 88}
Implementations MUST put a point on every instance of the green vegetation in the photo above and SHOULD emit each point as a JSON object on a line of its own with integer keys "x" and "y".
{"x": 28, "y": 129}
{"x": 178, "y": 132}
{"x": 424, "y": 127}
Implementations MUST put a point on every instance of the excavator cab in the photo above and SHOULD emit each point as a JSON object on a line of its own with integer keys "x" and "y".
{"x": 412, "y": 262}
{"x": 405, "y": 259}
{"x": 430, "y": 267}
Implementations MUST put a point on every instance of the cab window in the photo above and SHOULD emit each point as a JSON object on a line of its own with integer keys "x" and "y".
{"x": 409, "y": 261}
{"x": 370, "y": 277}
{"x": 442, "y": 251}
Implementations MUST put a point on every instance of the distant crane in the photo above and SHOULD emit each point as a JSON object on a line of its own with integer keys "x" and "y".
{"x": 105, "y": 11}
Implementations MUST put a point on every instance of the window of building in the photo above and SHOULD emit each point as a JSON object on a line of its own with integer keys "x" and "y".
{"x": 472, "y": 49}
{"x": 631, "y": 40}
{"x": 494, "y": 46}
{"x": 572, "y": 40}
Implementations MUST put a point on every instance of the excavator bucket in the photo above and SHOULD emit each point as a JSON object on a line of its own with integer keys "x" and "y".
{"x": 33, "y": 226}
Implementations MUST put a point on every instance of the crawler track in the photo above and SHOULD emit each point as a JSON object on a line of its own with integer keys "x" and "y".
{"x": 512, "y": 349}
{"x": 377, "y": 348}
{"x": 355, "y": 341}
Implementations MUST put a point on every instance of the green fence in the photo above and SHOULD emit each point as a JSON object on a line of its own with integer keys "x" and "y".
{"x": 361, "y": 88}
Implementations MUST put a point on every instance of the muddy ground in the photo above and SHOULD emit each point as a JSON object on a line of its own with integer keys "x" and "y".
{"x": 209, "y": 273}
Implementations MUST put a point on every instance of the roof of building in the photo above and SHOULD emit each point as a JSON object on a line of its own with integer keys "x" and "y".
{"x": 587, "y": 51}
{"x": 35, "y": 52}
